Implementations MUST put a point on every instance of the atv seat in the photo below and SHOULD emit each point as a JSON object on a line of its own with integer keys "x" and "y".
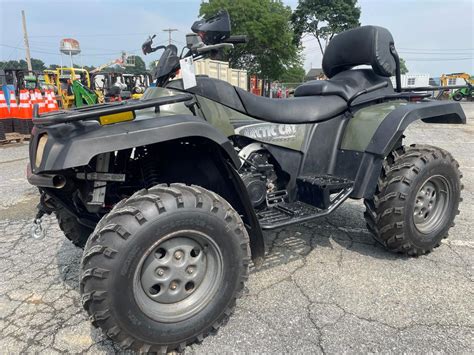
{"x": 366, "y": 45}
{"x": 345, "y": 84}
{"x": 293, "y": 110}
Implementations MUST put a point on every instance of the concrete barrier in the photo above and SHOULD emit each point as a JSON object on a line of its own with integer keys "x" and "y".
{"x": 468, "y": 108}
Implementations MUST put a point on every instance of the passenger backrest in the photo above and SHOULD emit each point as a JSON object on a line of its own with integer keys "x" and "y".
{"x": 370, "y": 45}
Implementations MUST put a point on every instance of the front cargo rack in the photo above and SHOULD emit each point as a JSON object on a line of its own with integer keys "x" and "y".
{"x": 93, "y": 112}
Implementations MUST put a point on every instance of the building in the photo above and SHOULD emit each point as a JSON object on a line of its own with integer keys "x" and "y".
{"x": 413, "y": 80}
{"x": 315, "y": 74}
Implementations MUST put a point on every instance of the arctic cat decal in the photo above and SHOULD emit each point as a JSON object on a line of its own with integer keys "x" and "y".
{"x": 268, "y": 131}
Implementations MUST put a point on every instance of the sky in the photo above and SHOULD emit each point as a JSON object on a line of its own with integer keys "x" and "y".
{"x": 433, "y": 36}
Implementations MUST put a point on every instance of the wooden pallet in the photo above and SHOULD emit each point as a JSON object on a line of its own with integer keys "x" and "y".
{"x": 15, "y": 138}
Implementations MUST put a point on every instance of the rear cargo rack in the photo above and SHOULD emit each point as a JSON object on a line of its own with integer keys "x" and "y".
{"x": 93, "y": 112}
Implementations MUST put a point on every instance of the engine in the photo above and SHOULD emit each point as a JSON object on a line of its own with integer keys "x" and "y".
{"x": 258, "y": 174}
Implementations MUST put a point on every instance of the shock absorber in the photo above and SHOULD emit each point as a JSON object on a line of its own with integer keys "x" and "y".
{"x": 150, "y": 171}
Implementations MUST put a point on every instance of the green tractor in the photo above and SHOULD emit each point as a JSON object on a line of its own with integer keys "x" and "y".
{"x": 465, "y": 92}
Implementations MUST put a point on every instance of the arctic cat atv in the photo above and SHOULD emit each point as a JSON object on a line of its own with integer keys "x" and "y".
{"x": 170, "y": 193}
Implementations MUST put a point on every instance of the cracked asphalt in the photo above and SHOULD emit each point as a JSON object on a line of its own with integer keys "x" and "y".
{"x": 325, "y": 287}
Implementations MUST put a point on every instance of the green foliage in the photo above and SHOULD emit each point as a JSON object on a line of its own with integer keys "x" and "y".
{"x": 324, "y": 19}
{"x": 267, "y": 24}
{"x": 37, "y": 64}
{"x": 140, "y": 66}
{"x": 403, "y": 66}
{"x": 293, "y": 74}
{"x": 152, "y": 65}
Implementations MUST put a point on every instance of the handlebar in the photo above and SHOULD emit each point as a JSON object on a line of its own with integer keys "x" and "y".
{"x": 237, "y": 39}
{"x": 212, "y": 47}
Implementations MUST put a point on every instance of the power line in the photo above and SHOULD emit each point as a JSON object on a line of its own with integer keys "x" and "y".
{"x": 436, "y": 49}
{"x": 91, "y": 35}
{"x": 170, "y": 30}
{"x": 118, "y": 51}
{"x": 436, "y": 59}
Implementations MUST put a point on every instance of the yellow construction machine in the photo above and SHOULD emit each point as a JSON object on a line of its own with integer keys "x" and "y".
{"x": 73, "y": 86}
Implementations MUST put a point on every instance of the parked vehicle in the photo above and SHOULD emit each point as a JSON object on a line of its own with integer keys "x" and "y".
{"x": 463, "y": 93}
{"x": 73, "y": 86}
{"x": 115, "y": 86}
{"x": 19, "y": 79}
{"x": 170, "y": 193}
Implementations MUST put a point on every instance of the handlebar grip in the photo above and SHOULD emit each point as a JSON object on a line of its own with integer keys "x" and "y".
{"x": 237, "y": 39}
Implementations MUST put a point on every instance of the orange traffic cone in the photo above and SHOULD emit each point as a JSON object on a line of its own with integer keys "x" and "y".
{"x": 21, "y": 125}
{"x": 4, "y": 112}
{"x": 40, "y": 101}
{"x": 5, "y": 120}
{"x": 32, "y": 98}
{"x": 49, "y": 101}
{"x": 55, "y": 102}
{"x": 26, "y": 111}
{"x": 14, "y": 111}
{"x": 9, "y": 122}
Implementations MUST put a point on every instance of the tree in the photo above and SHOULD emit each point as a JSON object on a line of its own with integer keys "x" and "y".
{"x": 138, "y": 68}
{"x": 267, "y": 23}
{"x": 37, "y": 64}
{"x": 324, "y": 19}
{"x": 293, "y": 74}
{"x": 403, "y": 66}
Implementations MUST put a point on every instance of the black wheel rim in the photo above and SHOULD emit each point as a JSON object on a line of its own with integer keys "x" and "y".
{"x": 178, "y": 276}
{"x": 431, "y": 204}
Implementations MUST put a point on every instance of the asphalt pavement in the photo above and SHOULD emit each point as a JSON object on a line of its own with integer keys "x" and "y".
{"x": 326, "y": 286}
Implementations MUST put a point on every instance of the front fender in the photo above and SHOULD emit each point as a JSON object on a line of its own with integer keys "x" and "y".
{"x": 392, "y": 127}
{"x": 75, "y": 144}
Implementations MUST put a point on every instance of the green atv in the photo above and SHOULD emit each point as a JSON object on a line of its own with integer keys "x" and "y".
{"x": 169, "y": 194}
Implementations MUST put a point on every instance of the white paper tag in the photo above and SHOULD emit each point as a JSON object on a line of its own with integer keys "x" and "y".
{"x": 187, "y": 73}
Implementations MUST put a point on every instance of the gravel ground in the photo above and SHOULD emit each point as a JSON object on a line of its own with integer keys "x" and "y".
{"x": 325, "y": 286}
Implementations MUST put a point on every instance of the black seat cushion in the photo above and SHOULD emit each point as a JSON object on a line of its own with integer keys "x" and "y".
{"x": 345, "y": 84}
{"x": 293, "y": 110}
{"x": 369, "y": 45}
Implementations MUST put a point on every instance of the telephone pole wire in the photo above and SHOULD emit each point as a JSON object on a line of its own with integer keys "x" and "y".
{"x": 27, "y": 45}
{"x": 169, "y": 30}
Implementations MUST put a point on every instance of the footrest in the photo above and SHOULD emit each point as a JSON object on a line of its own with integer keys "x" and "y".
{"x": 285, "y": 214}
{"x": 317, "y": 189}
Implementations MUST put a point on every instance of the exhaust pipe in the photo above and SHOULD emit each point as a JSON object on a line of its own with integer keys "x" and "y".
{"x": 46, "y": 180}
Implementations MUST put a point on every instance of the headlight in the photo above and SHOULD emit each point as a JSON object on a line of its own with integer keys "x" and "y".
{"x": 40, "y": 149}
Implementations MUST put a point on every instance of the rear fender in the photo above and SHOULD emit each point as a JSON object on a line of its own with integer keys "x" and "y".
{"x": 391, "y": 129}
{"x": 367, "y": 152}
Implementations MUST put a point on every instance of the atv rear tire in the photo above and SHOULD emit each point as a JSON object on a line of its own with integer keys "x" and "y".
{"x": 164, "y": 268}
{"x": 416, "y": 200}
{"x": 72, "y": 229}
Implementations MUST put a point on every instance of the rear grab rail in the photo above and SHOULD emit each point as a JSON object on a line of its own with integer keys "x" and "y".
{"x": 93, "y": 112}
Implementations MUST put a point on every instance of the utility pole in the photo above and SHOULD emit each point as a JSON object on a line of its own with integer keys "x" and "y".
{"x": 27, "y": 45}
{"x": 169, "y": 30}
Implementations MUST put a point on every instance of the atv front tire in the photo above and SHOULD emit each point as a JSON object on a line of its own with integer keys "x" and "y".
{"x": 72, "y": 229}
{"x": 416, "y": 200}
{"x": 164, "y": 268}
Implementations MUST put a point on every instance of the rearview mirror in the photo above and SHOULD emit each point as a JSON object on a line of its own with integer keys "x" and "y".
{"x": 215, "y": 29}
